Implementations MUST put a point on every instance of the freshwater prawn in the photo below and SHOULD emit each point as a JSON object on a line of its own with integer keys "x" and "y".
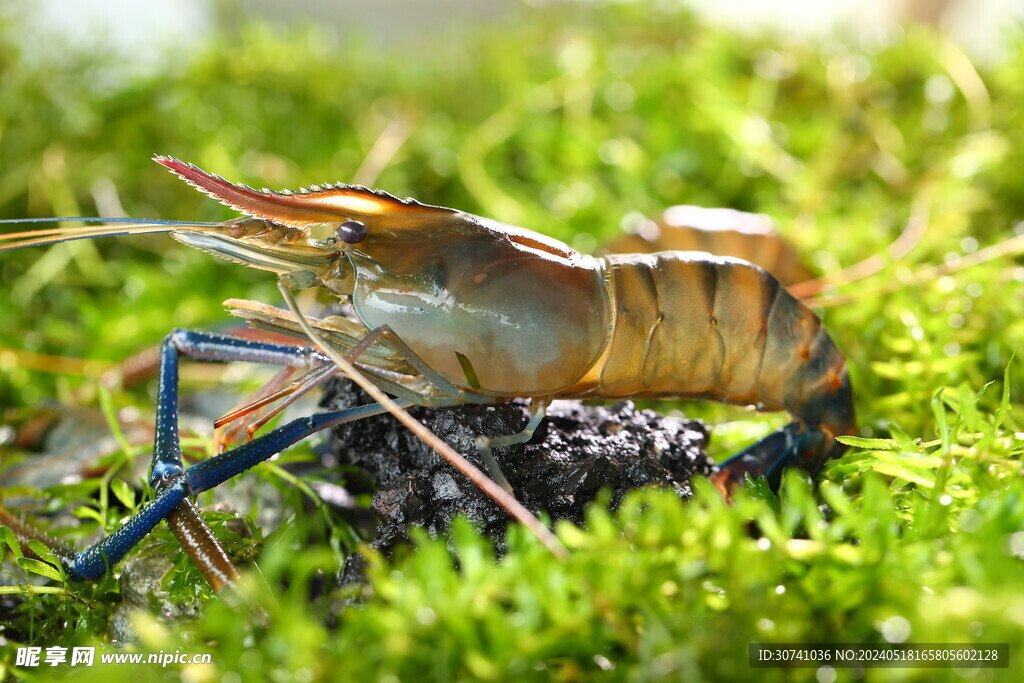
{"x": 451, "y": 308}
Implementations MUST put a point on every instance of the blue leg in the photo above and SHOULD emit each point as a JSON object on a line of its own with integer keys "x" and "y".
{"x": 211, "y": 348}
{"x": 93, "y": 562}
{"x": 172, "y": 482}
{"x": 793, "y": 445}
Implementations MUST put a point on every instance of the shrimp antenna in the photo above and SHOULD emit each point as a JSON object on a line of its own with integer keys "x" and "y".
{"x": 110, "y": 227}
{"x": 101, "y": 219}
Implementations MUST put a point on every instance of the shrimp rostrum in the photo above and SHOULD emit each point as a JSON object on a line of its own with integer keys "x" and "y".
{"x": 452, "y": 308}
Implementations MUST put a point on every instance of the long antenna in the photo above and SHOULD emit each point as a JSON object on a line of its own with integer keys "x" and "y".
{"x": 101, "y": 219}
{"x": 109, "y": 227}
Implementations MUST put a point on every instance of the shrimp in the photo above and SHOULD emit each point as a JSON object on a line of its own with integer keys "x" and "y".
{"x": 751, "y": 237}
{"x": 451, "y": 308}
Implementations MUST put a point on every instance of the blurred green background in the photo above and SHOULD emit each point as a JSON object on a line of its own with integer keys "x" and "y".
{"x": 568, "y": 118}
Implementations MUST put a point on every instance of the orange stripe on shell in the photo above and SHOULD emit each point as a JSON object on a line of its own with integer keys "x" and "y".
{"x": 328, "y": 204}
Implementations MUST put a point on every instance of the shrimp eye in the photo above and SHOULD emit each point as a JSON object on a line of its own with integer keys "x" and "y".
{"x": 352, "y": 232}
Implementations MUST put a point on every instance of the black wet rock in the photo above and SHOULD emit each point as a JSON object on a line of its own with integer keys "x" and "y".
{"x": 576, "y": 452}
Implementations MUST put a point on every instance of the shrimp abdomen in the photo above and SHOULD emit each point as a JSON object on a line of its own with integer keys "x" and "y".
{"x": 693, "y": 325}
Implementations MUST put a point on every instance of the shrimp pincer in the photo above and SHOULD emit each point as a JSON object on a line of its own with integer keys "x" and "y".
{"x": 451, "y": 308}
